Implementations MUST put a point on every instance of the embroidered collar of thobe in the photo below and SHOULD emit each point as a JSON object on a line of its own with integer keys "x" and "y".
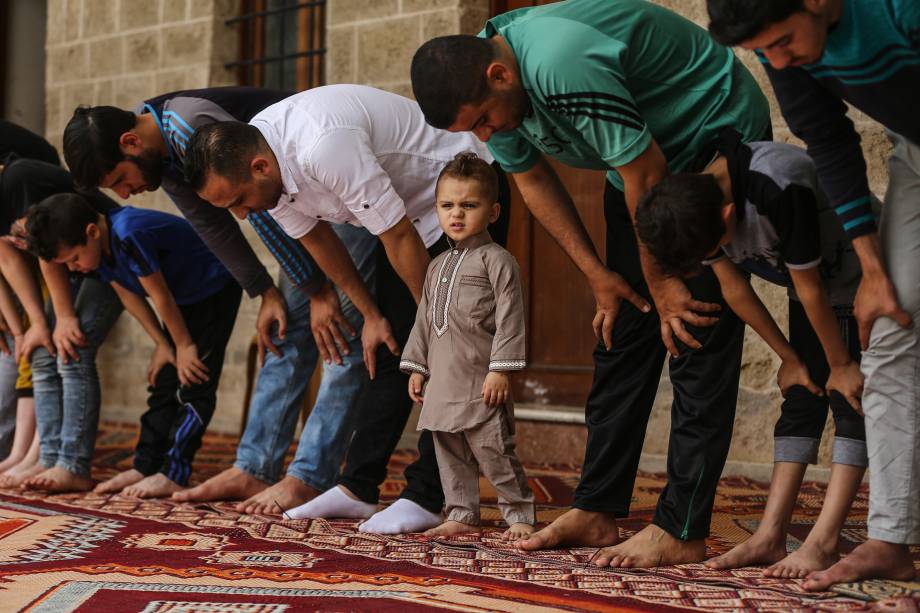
{"x": 447, "y": 278}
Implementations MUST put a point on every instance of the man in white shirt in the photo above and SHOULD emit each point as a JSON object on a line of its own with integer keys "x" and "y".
{"x": 358, "y": 155}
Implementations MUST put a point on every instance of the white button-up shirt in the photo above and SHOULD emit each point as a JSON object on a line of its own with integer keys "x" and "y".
{"x": 358, "y": 155}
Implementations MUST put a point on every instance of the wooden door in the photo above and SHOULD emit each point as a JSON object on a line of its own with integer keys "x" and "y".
{"x": 559, "y": 303}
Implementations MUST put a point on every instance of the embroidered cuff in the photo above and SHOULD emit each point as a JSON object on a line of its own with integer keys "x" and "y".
{"x": 503, "y": 365}
{"x": 410, "y": 366}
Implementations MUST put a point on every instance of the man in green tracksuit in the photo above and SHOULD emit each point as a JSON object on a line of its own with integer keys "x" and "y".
{"x": 634, "y": 89}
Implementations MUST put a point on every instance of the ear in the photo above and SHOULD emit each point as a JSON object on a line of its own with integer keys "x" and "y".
{"x": 259, "y": 166}
{"x": 499, "y": 75}
{"x": 130, "y": 143}
{"x": 496, "y": 211}
{"x": 92, "y": 231}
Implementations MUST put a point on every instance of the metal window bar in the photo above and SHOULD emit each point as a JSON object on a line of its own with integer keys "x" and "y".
{"x": 305, "y": 46}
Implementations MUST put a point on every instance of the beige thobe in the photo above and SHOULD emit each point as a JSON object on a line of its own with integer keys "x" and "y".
{"x": 471, "y": 321}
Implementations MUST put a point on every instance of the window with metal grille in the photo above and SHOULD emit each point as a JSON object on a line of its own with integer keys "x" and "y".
{"x": 282, "y": 43}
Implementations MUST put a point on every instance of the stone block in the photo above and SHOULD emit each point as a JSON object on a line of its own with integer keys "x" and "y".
{"x": 197, "y": 76}
{"x": 132, "y": 90}
{"x": 755, "y": 416}
{"x": 694, "y": 11}
{"x": 136, "y": 14}
{"x": 225, "y": 42}
{"x": 74, "y": 19}
{"x": 67, "y": 63}
{"x": 103, "y": 94}
{"x": 175, "y": 10}
{"x": 345, "y": 11}
{"x": 401, "y": 88}
{"x": 142, "y": 51}
{"x": 106, "y": 57}
{"x": 440, "y": 23}
{"x": 385, "y": 49}
{"x": 57, "y": 22}
{"x": 413, "y": 6}
{"x": 54, "y": 110}
{"x": 473, "y": 17}
{"x": 98, "y": 18}
{"x": 185, "y": 44}
{"x": 340, "y": 55}
{"x": 219, "y": 76}
{"x": 72, "y": 96}
{"x": 170, "y": 80}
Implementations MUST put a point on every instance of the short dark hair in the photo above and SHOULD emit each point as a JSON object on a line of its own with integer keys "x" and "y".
{"x": 58, "y": 220}
{"x": 226, "y": 148}
{"x": 449, "y": 72}
{"x": 732, "y": 22}
{"x": 91, "y": 142}
{"x": 470, "y": 167}
{"x": 680, "y": 221}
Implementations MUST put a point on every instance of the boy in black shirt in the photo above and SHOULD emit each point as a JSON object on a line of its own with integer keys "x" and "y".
{"x": 757, "y": 208}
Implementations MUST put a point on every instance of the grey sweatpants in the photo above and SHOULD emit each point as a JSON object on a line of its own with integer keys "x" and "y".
{"x": 488, "y": 446}
{"x": 891, "y": 365}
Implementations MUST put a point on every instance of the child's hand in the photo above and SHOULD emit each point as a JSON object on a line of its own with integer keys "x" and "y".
{"x": 192, "y": 370}
{"x": 847, "y": 380}
{"x": 793, "y": 372}
{"x": 495, "y": 389}
{"x": 161, "y": 356}
{"x": 416, "y": 385}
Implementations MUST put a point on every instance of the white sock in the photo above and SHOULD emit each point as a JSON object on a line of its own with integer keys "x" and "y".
{"x": 333, "y": 503}
{"x": 400, "y": 517}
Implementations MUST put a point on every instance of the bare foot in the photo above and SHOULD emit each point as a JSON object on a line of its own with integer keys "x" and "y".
{"x": 22, "y": 472}
{"x": 231, "y": 484}
{"x": 761, "y": 548}
{"x": 872, "y": 560}
{"x": 59, "y": 480}
{"x": 154, "y": 486}
{"x": 807, "y": 558}
{"x": 450, "y": 528}
{"x": 516, "y": 532}
{"x": 11, "y": 460}
{"x": 119, "y": 482}
{"x": 649, "y": 548}
{"x": 288, "y": 493}
{"x": 575, "y": 527}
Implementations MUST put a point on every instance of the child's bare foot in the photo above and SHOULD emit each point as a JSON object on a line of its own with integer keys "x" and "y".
{"x": 450, "y": 528}
{"x": 59, "y": 480}
{"x": 517, "y": 531}
{"x": 119, "y": 482}
{"x": 288, "y": 493}
{"x": 154, "y": 486}
{"x": 873, "y": 559}
{"x": 11, "y": 460}
{"x": 22, "y": 472}
{"x": 761, "y": 548}
{"x": 807, "y": 558}
{"x": 230, "y": 484}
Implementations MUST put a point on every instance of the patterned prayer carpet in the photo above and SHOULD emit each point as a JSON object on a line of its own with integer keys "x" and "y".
{"x": 85, "y": 552}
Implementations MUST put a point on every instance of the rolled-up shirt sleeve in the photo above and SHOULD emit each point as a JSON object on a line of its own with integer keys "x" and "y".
{"x": 293, "y": 221}
{"x": 344, "y": 163}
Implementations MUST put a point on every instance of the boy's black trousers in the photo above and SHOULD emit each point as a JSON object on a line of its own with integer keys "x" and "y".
{"x": 175, "y": 420}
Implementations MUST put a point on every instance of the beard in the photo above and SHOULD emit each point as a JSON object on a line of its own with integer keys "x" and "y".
{"x": 269, "y": 193}
{"x": 150, "y": 164}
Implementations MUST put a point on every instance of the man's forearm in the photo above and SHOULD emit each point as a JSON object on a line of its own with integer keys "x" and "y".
{"x": 551, "y": 205}
{"x": 408, "y": 255}
{"x": 332, "y": 257}
{"x": 869, "y": 250}
{"x": 19, "y": 274}
{"x": 58, "y": 282}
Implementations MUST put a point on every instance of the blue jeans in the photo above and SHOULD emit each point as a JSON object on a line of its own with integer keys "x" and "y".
{"x": 9, "y": 372}
{"x": 67, "y": 395}
{"x": 278, "y": 396}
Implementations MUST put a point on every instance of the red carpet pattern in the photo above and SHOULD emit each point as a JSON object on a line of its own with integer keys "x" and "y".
{"x": 86, "y": 552}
